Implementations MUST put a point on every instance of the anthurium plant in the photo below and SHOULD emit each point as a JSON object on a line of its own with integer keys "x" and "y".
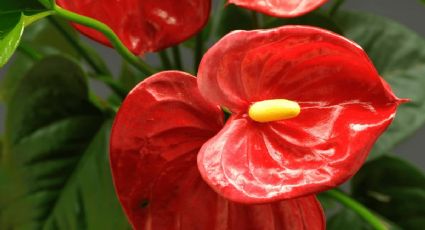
{"x": 286, "y": 119}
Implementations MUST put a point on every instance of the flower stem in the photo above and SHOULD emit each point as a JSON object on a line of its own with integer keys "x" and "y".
{"x": 199, "y": 49}
{"x": 177, "y": 57}
{"x": 358, "y": 208}
{"x": 165, "y": 60}
{"x": 113, "y": 38}
{"x": 335, "y": 7}
{"x": 78, "y": 47}
{"x": 29, "y": 51}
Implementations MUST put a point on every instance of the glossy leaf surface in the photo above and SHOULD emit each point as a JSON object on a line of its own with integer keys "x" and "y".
{"x": 155, "y": 139}
{"x": 345, "y": 106}
{"x": 54, "y": 160}
{"x": 11, "y": 29}
{"x": 14, "y": 16}
{"x": 399, "y": 55}
{"x": 144, "y": 25}
{"x": 279, "y": 8}
{"x": 393, "y": 188}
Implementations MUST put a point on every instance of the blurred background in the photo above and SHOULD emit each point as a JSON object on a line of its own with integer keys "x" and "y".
{"x": 410, "y": 13}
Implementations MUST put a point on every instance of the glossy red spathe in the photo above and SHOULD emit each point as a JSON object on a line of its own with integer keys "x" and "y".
{"x": 280, "y": 8}
{"x": 143, "y": 25}
{"x": 156, "y": 136}
{"x": 345, "y": 106}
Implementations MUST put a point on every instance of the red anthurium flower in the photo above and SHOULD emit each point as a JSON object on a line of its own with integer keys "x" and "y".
{"x": 280, "y": 8}
{"x": 307, "y": 105}
{"x": 143, "y": 25}
{"x": 156, "y": 136}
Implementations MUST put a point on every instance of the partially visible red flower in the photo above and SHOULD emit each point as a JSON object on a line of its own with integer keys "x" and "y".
{"x": 280, "y": 8}
{"x": 336, "y": 106}
{"x": 143, "y": 25}
{"x": 156, "y": 136}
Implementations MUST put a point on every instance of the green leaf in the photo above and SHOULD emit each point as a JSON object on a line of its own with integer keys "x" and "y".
{"x": 399, "y": 55}
{"x": 11, "y": 29}
{"x": 347, "y": 220}
{"x": 14, "y": 16}
{"x": 45, "y": 39}
{"x": 233, "y": 18}
{"x": 47, "y": 3}
{"x": 316, "y": 18}
{"x": 54, "y": 170}
{"x": 393, "y": 188}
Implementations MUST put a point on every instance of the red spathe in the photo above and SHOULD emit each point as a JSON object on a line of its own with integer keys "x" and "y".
{"x": 143, "y": 25}
{"x": 345, "y": 106}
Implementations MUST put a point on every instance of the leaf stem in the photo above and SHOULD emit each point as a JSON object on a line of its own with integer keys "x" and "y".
{"x": 333, "y": 9}
{"x": 199, "y": 49}
{"x": 113, "y": 38}
{"x": 358, "y": 208}
{"x": 165, "y": 60}
{"x": 177, "y": 57}
{"x": 78, "y": 47}
{"x": 29, "y": 51}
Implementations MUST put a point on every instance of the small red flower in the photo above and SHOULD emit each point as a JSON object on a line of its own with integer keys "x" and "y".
{"x": 280, "y": 8}
{"x": 156, "y": 136}
{"x": 143, "y": 25}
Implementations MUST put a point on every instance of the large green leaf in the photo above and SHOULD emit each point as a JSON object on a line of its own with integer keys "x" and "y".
{"x": 45, "y": 38}
{"x": 393, "y": 188}
{"x": 54, "y": 169}
{"x": 399, "y": 55}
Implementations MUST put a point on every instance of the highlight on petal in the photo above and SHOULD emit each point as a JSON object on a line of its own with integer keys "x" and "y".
{"x": 280, "y": 8}
{"x": 143, "y": 25}
{"x": 154, "y": 144}
{"x": 345, "y": 107}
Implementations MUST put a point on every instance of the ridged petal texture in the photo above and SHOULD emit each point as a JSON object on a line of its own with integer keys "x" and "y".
{"x": 345, "y": 106}
{"x": 143, "y": 25}
{"x": 154, "y": 143}
{"x": 280, "y": 8}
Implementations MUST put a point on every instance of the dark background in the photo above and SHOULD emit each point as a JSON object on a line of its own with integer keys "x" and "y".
{"x": 410, "y": 13}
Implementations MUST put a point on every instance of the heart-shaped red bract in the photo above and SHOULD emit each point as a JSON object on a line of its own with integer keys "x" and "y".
{"x": 154, "y": 144}
{"x": 280, "y": 8}
{"x": 345, "y": 106}
{"x": 143, "y": 25}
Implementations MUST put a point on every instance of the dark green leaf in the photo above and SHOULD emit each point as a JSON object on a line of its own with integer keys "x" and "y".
{"x": 233, "y": 18}
{"x": 347, "y": 220}
{"x": 55, "y": 171}
{"x": 45, "y": 39}
{"x": 315, "y": 18}
{"x": 129, "y": 77}
{"x": 393, "y": 188}
{"x": 399, "y": 55}
{"x": 14, "y": 16}
{"x": 47, "y": 3}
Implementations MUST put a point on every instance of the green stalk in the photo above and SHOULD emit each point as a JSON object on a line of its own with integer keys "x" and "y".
{"x": 333, "y": 9}
{"x": 29, "y": 51}
{"x": 199, "y": 49}
{"x": 358, "y": 208}
{"x": 177, "y": 57}
{"x": 112, "y": 37}
{"x": 78, "y": 47}
{"x": 165, "y": 60}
